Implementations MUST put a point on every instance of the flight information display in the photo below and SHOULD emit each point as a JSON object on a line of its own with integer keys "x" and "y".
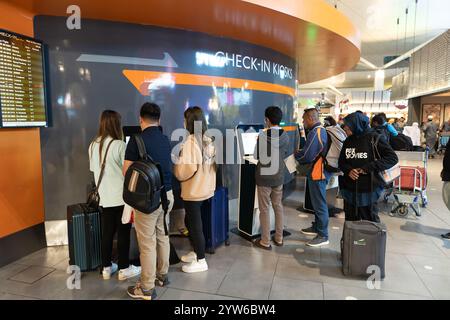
{"x": 22, "y": 82}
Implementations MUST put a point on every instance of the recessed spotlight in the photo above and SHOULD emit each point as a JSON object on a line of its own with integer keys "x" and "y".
{"x": 369, "y": 76}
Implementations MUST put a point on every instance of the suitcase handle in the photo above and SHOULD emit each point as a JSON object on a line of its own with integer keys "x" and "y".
{"x": 365, "y": 222}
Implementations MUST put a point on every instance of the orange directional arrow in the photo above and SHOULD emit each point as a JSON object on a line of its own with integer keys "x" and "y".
{"x": 142, "y": 80}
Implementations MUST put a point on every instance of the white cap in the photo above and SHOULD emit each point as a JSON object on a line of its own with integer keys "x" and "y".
{"x": 430, "y": 117}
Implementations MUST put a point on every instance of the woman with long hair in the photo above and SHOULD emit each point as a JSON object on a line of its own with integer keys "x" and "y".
{"x": 196, "y": 170}
{"x": 108, "y": 148}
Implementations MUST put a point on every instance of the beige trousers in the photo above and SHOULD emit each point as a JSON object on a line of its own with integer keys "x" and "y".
{"x": 153, "y": 243}
{"x": 267, "y": 195}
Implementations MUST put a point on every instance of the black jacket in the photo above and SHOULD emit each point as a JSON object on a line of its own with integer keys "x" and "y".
{"x": 358, "y": 152}
{"x": 445, "y": 175}
{"x": 383, "y": 131}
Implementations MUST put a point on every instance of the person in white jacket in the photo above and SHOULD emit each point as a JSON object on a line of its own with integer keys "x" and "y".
{"x": 414, "y": 133}
{"x": 108, "y": 147}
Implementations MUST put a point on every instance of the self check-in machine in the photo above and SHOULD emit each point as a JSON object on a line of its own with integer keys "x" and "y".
{"x": 248, "y": 212}
{"x": 129, "y": 131}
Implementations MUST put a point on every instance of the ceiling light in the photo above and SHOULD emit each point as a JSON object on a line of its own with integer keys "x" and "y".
{"x": 369, "y": 76}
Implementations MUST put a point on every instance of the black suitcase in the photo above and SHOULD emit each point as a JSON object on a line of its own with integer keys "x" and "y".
{"x": 363, "y": 245}
{"x": 84, "y": 233}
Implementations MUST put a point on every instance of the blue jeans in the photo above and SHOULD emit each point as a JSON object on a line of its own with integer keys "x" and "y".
{"x": 318, "y": 195}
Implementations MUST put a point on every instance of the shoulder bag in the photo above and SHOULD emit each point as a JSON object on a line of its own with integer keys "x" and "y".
{"x": 388, "y": 175}
{"x": 93, "y": 198}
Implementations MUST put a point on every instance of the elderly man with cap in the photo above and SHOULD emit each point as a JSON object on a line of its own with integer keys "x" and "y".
{"x": 430, "y": 130}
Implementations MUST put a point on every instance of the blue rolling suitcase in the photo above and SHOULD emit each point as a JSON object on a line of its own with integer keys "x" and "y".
{"x": 215, "y": 220}
{"x": 84, "y": 232}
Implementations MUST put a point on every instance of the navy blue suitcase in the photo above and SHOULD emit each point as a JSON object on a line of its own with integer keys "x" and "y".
{"x": 215, "y": 220}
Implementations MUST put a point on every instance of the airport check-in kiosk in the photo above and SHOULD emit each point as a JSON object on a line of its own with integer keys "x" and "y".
{"x": 248, "y": 211}
{"x": 129, "y": 131}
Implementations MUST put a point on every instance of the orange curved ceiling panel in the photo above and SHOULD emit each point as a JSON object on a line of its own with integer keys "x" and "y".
{"x": 323, "y": 41}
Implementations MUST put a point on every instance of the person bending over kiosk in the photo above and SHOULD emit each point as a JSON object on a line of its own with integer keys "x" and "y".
{"x": 271, "y": 150}
{"x": 154, "y": 246}
{"x": 108, "y": 148}
{"x": 317, "y": 177}
{"x": 196, "y": 170}
{"x": 361, "y": 181}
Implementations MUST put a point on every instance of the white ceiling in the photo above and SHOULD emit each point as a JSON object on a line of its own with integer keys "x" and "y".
{"x": 381, "y": 36}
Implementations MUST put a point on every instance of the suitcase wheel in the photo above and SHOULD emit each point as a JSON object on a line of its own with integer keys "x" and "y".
{"x": 403, "y": 211}
{"x": 211, "y": 251}
{"x": 227, "y": 242}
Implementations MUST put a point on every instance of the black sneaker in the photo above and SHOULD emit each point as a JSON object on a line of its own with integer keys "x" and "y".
{"x": 446, "y": 236}
{"x": 162, "y": 281}
{"x": 318, "y": 242}
{"x": 137, "y": 292}
{"x": 311, "y": 231}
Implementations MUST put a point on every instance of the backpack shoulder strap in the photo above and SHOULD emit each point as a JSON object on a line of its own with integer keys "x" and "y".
{"x": 374, "y": 141}
{"x": 103, "y": 165}
{"x": 141, "y": 146}
{"x": 142, "y": 149}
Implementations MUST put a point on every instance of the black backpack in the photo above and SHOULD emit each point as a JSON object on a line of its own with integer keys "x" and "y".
{"x": 144, "y": 188}
{"x": 401, "y": 143}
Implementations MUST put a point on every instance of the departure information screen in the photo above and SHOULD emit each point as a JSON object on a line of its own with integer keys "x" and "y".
{"x": 22, "y": 86}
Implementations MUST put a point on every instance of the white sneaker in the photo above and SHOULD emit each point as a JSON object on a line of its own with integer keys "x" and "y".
{"x": 108, "y": 271}
{"x": 188, "y": 258}
{"x": 195, "y": 266}
{"x": 130, "y": 272}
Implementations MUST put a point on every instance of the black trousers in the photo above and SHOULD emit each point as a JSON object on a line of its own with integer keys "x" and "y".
{"x": 112, "y": 223}
{"x": 193, "y": 221}
{"x": 369, "y": 213}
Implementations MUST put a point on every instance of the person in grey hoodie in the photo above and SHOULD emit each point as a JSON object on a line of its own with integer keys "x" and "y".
{"x": 271, "y": 150}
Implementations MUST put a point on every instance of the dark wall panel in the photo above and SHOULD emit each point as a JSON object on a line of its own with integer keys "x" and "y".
{"x": 80, "y": 90}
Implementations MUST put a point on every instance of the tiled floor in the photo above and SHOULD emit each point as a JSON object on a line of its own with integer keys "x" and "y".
{"x": 417, "y": 265}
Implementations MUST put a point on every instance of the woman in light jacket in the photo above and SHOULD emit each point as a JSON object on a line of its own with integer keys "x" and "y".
{"x": 196, "y": 170}
{"x": 110, "y": 191}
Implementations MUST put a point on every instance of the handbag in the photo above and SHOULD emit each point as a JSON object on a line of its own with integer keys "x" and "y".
{"x": 127, "y": 214}
{"x": 304, "y": 169}
{"x": 93, "y": 198}
{"x": 388, "y": 175}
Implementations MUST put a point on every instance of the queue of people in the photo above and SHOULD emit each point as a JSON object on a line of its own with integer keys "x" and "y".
{"x": 363, "y": 153}
{"x": 196, "y": 172}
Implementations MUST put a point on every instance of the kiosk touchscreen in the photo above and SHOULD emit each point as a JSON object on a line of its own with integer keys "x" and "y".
{"x": 129, "y": 131}
{"x": 248, "y": 212}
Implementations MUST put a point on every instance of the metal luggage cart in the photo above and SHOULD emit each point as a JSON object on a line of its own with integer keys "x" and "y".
{"x": 443, "y": 140}
{"x": 413, "y": 167}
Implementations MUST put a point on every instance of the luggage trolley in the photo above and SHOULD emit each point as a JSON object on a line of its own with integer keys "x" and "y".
{"x": 409, "y": 190}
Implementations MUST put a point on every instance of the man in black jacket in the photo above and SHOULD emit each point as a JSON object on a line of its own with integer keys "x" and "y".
{"x": 364, "y": 155}
{"x": 445, "y": 175}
